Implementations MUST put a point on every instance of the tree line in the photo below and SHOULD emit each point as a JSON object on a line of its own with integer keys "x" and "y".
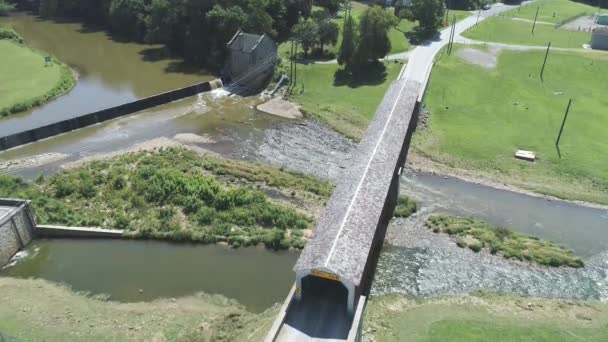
{"x": 197, "y": 30}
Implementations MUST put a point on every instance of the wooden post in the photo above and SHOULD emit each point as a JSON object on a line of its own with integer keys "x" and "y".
{"x": 542, "y": 70}
{"x": 561, "y": 130}
{"x": 535, "y": 17}
{"x": 478, "y": 15}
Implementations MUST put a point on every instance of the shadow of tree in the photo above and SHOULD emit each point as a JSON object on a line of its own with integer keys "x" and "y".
{"x": 374, "y": 73}
{"x": 419, "y": 36}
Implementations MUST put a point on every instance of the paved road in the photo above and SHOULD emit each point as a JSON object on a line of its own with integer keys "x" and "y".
{"x": 421, "y": 58}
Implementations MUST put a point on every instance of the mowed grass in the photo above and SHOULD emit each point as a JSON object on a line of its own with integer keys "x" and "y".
{"x": 479, "y": 118}
{"x": 553, "y": 11}
{"x": 505, "y": 30}
{"x": 396, "y": 35}
{"x": 24, "y": 74}
{"x": 458, "y": 14}
{"x": 484, "y": 317}
{"x": 344, "y": 102}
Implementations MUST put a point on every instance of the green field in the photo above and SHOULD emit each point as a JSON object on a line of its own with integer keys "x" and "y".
{"x": 399, "y": 42}
{"x": 347, "y": 104}
{"x": 459, "y": 14}
{"x": 479, "y": 118}
{"x": 505, "y": 30}
{"x": 553, "y": 11}
{"x": 26, "y": 80}
{"x": 484, "y": 318}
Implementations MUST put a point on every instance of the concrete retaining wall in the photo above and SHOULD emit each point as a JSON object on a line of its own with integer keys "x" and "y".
{"x": 16, "y": 228}
{"x": 77, "y": 232}
{"x": 32, "y": 135}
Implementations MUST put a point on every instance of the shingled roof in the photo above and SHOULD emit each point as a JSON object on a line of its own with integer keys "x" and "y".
{"x": 245, "y": 42}
{"x": 343, "y": 237}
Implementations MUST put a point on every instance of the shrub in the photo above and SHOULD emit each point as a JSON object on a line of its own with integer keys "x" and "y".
{"x": 405, "y": 208}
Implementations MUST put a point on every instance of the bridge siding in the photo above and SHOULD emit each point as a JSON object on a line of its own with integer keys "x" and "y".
{"x": 349, "y": 259}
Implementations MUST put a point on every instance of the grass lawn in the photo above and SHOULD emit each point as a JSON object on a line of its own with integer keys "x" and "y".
{"x": 399, "y": 42}
{"x": 347, "y": 104}
{"x": 459, "y": 14}
{"x": 477, "y": 235}
{"x": 480, "y": 117}
{"x": 553, "y": 11}
{"x": 37, "y": 310}
{"x": 26, "y": 81}
{"x": 484, "y": 318}
{"x": 505, "y": 30}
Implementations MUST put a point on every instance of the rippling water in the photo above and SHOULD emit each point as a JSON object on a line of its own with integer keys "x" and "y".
{"x": 431, "y": 264}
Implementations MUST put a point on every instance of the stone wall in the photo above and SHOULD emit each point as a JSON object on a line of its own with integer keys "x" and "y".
{"x": 16, "y": 228}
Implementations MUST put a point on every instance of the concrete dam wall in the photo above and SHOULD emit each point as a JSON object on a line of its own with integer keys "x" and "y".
{"x": 17, "y": 227}
{"x": 32, "y": 135}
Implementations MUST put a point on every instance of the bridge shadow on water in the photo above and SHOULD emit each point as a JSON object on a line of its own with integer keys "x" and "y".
{"x": 322, "y": 311}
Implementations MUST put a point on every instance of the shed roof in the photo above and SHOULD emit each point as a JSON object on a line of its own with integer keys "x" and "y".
{"x": 246, "y": 42}
{"x": 343, "y": 237}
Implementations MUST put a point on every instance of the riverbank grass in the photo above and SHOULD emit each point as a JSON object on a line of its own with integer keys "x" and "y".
{"x": 343, "y": 101}
{"x": 478, "y": 119}
{"x": 176, "y": 194}
{"x": 405, "y": 208}
{"x": 552, "y": 11}
{"x": 508, "y": 31}
{"x": 27, "y": 80}
{"x": 484, "y": 317}
{"x": 477, "y": 235}
{"x": 37, "y": 310}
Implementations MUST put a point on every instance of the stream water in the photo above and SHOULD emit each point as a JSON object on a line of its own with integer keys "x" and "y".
{"x": 415, "y": 263}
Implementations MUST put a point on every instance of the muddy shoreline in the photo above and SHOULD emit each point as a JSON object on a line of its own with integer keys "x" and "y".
{"x": 419, "y": 163}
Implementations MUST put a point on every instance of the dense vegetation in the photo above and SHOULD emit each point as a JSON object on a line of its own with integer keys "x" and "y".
{"x": 477, "y": 235}
{"x": 174, "y": 194}
{"x": 406, "y": 207}
{"x": 5, "y": 7}
{"x": 27, "y": 80}
{"x": 197, "y": 30}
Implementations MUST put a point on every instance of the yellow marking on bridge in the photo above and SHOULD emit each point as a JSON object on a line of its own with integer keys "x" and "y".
{"x": 325, "y": 275}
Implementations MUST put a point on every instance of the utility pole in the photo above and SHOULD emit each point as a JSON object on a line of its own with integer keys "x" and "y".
{"x": 535, "y": 17}
{"x": 478, "y": 15}
{"x": 559, "y": 136}
{"x": 452, "y": 34}
{"x": 542, "y": 70}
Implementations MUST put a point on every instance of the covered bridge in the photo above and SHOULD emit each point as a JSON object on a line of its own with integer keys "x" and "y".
{"x": 347, "y": 240}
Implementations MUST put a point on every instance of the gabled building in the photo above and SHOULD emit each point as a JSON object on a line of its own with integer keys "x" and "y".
{"x": 251, "y": 60}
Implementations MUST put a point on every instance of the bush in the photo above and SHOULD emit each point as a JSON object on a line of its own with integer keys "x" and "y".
{"x": 5, "y": 9}
{"x": 405, "y": 208}
{"x": 511, "y": 245}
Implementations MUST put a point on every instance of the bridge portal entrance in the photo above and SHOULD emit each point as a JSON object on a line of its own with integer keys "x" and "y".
{"x": 322, "y": 309}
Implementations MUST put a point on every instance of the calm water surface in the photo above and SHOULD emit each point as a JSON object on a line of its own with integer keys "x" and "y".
{"x": 256, "y": 277}
{"x": 110, "y": 72}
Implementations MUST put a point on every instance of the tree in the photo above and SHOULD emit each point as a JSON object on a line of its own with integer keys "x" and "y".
{"x": 5, "y": 7}
{"x": 127, "y": 18}
{"x": 373, "y": 35}
{"x": 429, "y": 14}
{"x": 331, "y": 5}
{"x": 258, "y": 20}
{"x": 349, "y": 43}
{"x": 329, "y": 34}
{"x": 307, "y": 33}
